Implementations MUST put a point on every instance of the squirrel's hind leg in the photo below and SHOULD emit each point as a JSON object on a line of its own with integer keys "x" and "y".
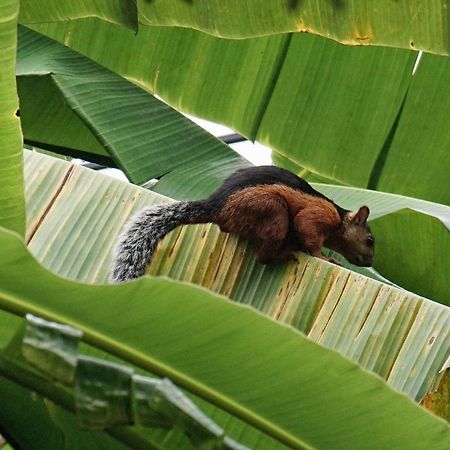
{"x": 271, "y": 252}
{"x": 261, "y": 216}
{"x": 271, "y": 235}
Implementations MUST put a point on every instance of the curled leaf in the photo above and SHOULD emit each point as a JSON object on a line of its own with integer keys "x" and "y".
{"x": 102, "y": 393}
{"x": 52, "y": 348}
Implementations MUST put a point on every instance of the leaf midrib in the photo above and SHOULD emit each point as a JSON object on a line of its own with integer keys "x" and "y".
{"x": 125, "y": 352}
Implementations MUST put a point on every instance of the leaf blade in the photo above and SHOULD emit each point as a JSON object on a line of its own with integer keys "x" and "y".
{"x": 98, "y": 111}
{"x": 123, "y": 12}
{"x": 12, "y": 212}
{"x": 182, "y": 367}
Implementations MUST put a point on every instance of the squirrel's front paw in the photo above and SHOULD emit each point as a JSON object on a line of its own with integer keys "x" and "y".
{"x": 331, "y": 260}
{"x": 334, "y": 261}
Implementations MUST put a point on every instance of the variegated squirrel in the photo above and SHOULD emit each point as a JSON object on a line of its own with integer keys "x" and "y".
{"x": 280, "y": 211}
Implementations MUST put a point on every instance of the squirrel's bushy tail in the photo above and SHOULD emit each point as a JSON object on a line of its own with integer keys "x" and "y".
{"x": 140, "y": 236}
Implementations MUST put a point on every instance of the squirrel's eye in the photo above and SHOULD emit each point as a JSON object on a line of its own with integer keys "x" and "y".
{"x": 370, "y": 240}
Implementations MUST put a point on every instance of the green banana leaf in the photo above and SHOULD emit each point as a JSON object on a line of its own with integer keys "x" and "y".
{"x": 69, "y": 101}
{"x": 60, "y": 404}
{"x": 337, "y": 111}
{"x": 123, "y": 12}
{"x": 30, "y": 437}
{"x": 12, "y": 210}
{"x": 46, "y": 175}
{"x": 50, "y": 423}
{"x": 60, "y": 407}
{"x": 314, "y": 296}
{"x": 119, "y": 320}
{"x": 411, "y": 24}
{"x": 420, "y": 363}
{"x": 108, "y": 394}
{"x": 353, "y": 22}
{"x": 422, "y": 137}
{"x": 401, "y": 319}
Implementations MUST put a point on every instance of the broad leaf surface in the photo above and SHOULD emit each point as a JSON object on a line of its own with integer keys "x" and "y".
{"x": 123, "y": 12}
{"x": 47, "y": 407}
{"x": 411, "y": 24}
{"x": 307, "y": 295}
{"x": 12, "y": 202}
{"x": 356, "y": 22}
{"x": 109, "y": 394}
{"x": 117, "y": 318}
{"x": 328, "y": 108}
{"x": 332, "y": 107}
{"x": 68, "y": 100}
{"x": 100, "y": 219}
{"x": 418, "y": 162}
{"x": 25, "y": 418}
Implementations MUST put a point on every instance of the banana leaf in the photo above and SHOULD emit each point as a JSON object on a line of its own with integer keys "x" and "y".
{"x": 12, "y": 210}
{"x": 355, "y": 116}
{"x": 354, "y": 22}
{"x": 391, "y": 230}
{"x": 82, "y": 109}
{"x": 123, "y": 12}
{"x": 332, "y": 305}
{"x": 118, "y": 319}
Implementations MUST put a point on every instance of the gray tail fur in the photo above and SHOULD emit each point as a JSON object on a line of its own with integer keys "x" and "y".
{"x": 140, "y": 236}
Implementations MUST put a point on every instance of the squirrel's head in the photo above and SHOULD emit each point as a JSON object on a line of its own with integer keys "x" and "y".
{"x": 356, "y": 242}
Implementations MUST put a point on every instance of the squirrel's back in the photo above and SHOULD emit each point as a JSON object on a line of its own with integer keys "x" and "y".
{"x": 259, "y": 176}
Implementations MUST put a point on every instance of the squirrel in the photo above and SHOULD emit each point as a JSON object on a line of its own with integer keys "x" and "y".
{"x": 280, "y": 211}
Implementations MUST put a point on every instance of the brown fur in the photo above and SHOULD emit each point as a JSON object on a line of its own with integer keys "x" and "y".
{"x": 280, "y": 219}
{"x": 283, "y": 220}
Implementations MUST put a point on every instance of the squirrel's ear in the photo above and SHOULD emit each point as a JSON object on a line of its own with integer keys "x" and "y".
{"x": 360, "y": 217}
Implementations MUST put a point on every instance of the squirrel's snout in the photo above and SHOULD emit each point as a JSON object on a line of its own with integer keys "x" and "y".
{"x": 364, "y": 261}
